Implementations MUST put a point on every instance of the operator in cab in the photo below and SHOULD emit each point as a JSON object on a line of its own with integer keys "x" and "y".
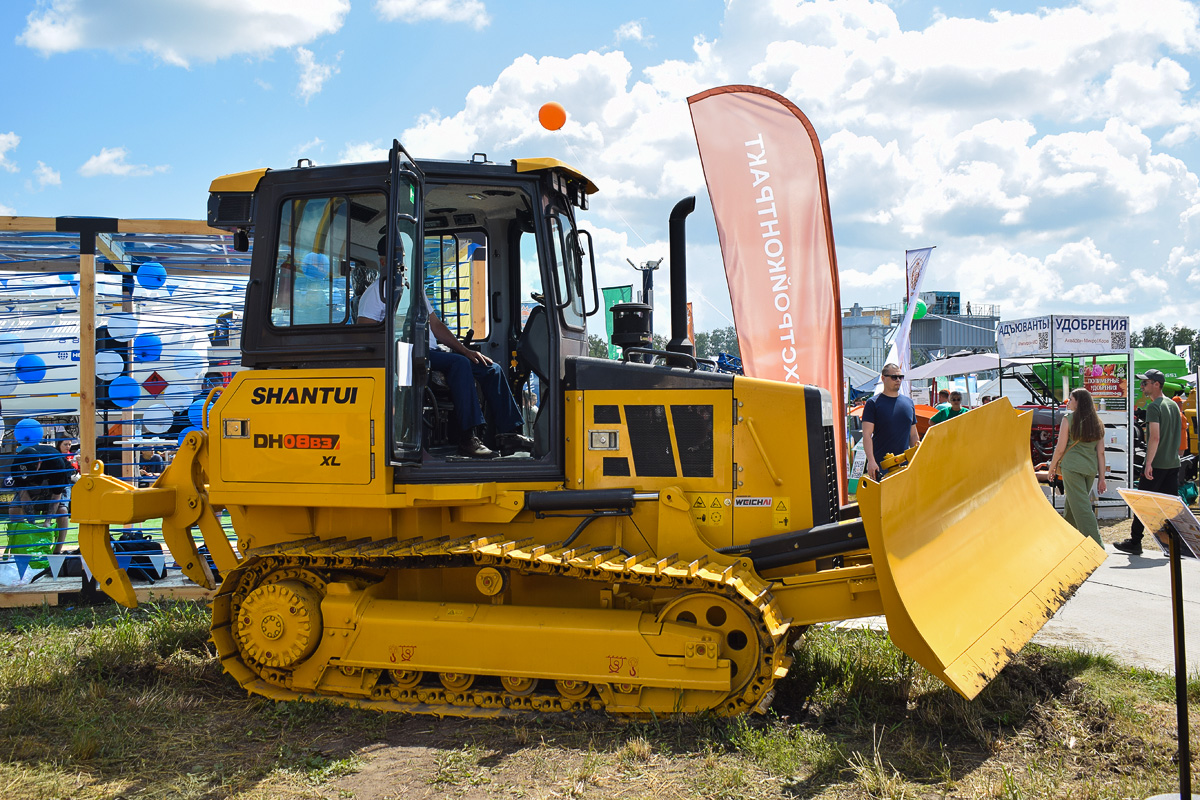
{"x": 462, "y": 367}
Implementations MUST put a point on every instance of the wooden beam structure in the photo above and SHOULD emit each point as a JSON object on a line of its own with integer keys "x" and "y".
{"x": 187, "y": 248}
{"x": 170, "y": 227}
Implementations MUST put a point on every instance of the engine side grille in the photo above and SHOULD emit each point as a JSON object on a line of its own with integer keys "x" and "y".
{"x": 650, "y": 441}
{"x": 694, "y": 435}
{"x": 607, "y": 415}
{"x": 616, "y": 466}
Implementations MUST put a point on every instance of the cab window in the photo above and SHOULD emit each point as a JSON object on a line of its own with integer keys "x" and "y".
{"x": 456, "y": 280}
{"x": 324, "y": 243}
{"x": 568, "y": 269}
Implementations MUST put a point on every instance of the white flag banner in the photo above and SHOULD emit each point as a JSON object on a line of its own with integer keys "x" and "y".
{"x": 1184, "y": 351}
{"x": 901, "y": 349}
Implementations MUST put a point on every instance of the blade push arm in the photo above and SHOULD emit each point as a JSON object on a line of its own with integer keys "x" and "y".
{"x": 178, "y": 497}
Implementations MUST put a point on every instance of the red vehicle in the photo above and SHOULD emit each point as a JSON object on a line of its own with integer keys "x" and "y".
{"x": 1043, "y": 433}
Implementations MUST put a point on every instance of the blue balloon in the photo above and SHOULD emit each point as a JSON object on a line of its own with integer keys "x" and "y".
{"x": 196, "y": 413}
{"x": 151, "y": 275}
{"x": 183, "y": 434}
{"x": 124, "y": 391}
{"x": 147, "y": 347}
{"x": 27, "y": 431}
{"x": 31, "y": 368}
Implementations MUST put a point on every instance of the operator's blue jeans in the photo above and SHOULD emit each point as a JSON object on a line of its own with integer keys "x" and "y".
{"x": 461, "y": 374}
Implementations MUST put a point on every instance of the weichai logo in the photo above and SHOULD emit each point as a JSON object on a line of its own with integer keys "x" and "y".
{"x": 309, "y": 395}
{"x": 299, "y": 441}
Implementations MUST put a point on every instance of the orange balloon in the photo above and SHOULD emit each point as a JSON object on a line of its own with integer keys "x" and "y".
{"x": 552, "y": 116}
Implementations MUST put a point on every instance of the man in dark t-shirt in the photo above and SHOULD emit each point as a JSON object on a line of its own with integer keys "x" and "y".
{"x": 1160, "y": 471}
{"x": 889, "y": 421}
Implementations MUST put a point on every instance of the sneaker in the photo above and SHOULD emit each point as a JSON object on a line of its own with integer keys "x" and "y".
{"x": 510, "y": 443}
{"x": 1131, "y": 546}
{"x": 471, "y": 447}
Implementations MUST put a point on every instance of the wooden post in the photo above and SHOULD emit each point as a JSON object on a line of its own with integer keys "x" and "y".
{"x": 87, "y": 228}
{"x": 87, "y": 361}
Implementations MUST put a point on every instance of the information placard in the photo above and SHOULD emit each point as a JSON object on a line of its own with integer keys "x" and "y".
{"x": 1156, "y": 510}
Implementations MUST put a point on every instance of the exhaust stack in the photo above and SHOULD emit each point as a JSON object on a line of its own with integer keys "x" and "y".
{"x": 679, "y": 329}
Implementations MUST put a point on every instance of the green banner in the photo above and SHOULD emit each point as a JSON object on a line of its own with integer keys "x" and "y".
{"x": 612, "y": 296}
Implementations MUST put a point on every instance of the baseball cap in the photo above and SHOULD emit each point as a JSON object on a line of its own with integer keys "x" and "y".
{"x": 1153, "y": 375}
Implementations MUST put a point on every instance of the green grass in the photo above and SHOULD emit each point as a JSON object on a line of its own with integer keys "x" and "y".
{"x": 106, "y": 703}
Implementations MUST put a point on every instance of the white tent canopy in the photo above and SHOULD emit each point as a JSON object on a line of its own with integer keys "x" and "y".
{"x": 959, "y": 365}
{"x": 857, "y": 374}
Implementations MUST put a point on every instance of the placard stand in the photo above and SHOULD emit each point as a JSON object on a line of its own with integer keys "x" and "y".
{"x": 1175, "y": 528}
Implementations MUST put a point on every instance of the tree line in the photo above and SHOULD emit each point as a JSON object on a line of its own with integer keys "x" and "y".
{"x": 709, "y": 344}
{"x": 1167, "y": 338}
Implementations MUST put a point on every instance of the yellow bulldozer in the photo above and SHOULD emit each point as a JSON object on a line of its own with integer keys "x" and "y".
{"x": 654, "y": 542}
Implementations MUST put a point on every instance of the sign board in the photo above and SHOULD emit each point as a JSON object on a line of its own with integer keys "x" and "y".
{"x": 1064, "y": 335}
{"x": 1090, "y": 335}
{"x": 1023, "y": 337}
{"x": 1156, "y": 510}
{"x": 1106, "y": 380}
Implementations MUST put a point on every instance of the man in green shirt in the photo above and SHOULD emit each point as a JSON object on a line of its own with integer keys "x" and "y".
{"x": 949, "y": 412}
{"x": 1160, "y": 473}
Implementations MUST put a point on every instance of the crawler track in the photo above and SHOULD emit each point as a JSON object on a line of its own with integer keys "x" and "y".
{"x": 742, "y": 617}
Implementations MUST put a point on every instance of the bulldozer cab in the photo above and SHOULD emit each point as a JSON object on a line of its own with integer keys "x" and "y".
{"x": 350, "y": 263}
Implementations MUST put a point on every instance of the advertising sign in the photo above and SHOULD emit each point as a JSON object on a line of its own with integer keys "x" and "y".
{"x": 1023, "y": 337}
{"x": 1063, "y": 335}
{"x": 1106, "y": 380}
{"x": 765, "y": 173}
{"x": 1090, "y": 335}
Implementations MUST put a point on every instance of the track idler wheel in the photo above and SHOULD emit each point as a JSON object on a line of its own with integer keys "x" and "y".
{"x": 737, "y": 634}
{"x": 279, "y": 624}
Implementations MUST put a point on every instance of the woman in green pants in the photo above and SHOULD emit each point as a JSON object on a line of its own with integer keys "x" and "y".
{"x": 1079, "y": 458}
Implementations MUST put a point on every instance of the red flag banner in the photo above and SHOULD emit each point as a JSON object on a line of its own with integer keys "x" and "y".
{"x": 766, "y": 179}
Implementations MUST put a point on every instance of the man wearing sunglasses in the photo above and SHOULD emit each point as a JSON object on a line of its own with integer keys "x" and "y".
{"x": 1160, "y": 471}
{"x": 889, "y": 421}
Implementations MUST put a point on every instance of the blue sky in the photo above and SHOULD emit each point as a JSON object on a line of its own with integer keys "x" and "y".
{"x": 1049, "y": 151}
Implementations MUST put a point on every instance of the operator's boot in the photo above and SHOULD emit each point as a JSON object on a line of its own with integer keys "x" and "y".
{"x": 509, "y": 443}
{"x": 470, "y": 446}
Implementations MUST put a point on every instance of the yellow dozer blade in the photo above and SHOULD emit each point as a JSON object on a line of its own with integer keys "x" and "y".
{"x": 971, "y": 557}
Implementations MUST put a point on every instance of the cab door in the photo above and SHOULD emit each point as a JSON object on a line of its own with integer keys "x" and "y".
{"x": 407, "y": 325}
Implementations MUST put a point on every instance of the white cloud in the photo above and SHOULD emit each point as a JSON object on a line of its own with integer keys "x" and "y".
{"x": 472, "y": 12}
{"x": 8, "y": 141}
{"x": 180, "y": 31}
{"x": 632, "y": 31}
{"x": 47, "y": 176}
{"x": 111, "y": 161}
{"x": 7, "y": 211}
{"x": 312, "y": 74}
{"x": 357, "y": 152}
{"x": 1039, "y": 151}
{"x": 882, "y": 275}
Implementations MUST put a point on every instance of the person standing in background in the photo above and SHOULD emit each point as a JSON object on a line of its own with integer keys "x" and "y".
{"x": 1079, "y": 458}
{"x": 889, "y": 421}
{"x": 1160, "y": 470}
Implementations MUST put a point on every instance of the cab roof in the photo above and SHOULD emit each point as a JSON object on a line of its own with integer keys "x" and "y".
{"x": 248, "y": 181}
